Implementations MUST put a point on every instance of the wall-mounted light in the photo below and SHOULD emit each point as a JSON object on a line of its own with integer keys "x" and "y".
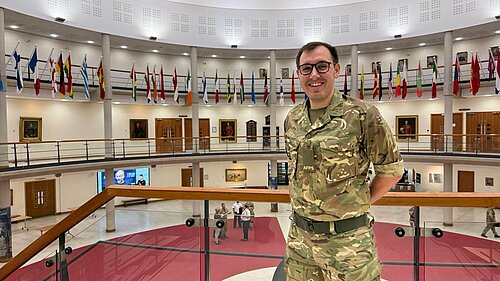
{"x": 497, "y": 17}
{"x": 59, "y": 19}
{"x": 234, "y": 46}
{"x": 153, "y": 38}
{"x": 398, "y": 36}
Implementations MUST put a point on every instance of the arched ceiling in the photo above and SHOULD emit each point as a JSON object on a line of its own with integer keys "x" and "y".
{"x": 269, "y": 5}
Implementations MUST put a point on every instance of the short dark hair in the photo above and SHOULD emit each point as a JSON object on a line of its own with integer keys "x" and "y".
{"x": 313, "y": 45}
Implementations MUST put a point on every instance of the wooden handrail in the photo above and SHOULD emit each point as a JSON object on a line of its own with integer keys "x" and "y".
{"x": 444, "y": 199}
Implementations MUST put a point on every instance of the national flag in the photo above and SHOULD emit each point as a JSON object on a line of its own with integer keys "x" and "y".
{"x": 475, "y": 80}
{"x": 19, "y": 76}
{"x": 85, "y": 77}
{"x": 497, "y": 75}
{"x": 345, "y": 80}
{"x": 456, "y": 75}
{"x": 205, "y": 91}
{"x": 253, "y": 87}
{"x": 67, "y": 71}
{"x": 292, "y": 95}
{"x": 282, "y": 94}
{"x": 33, "y": 67}
{"x": 133, "y": 77}
{"x": 362, "y": 86}
{"x": 234, "y": 88}
{"x": 397, "y": 92}
{"x": 242, "y": 88}
{"x": 228, "y": 84}
{"x": 189, "y": 91}
{"x": 419, "y": 80}
{"x": 379, "y": 68}
{"x": 390, "y": 91}
{"x": 53, "y": 83}
{"x": 162, "y": 85}
{"x": 266, "y": 91}
{"x": 148, "y": 83}
{"x": 155, "y": 85}
{"x": 477, "y": 77}
{"x": 100, "y": 75}
{"x": 216, "y": 88}
{"x": 434, "y": 78}
{"x": 375, "y": 82}
{"x": 1, "y": 82}
{"x": 491, "y": 66}
{"x": 404, "y": 85}
{"x": 176, "y": 88}
{"x": 60, "y": 73}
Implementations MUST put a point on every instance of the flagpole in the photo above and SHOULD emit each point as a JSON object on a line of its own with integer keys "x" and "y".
{"x": 45, "y": 66}
{"x": 15, "y": 49}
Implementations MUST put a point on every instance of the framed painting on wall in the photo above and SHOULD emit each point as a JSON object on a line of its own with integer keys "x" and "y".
{"x": 407, "y": 127}
{"x": 30, "y": 129}
{"x": 431, "y": 60}
{"x": 138, "y": 128}
{"x": 494, "y": 51}
{"x": 236, "y": 174}
{"x": 462, "y": 57}
{"x": 227, "y": 130}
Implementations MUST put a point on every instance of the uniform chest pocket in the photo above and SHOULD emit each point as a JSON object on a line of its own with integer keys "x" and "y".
{"x": 339, "y": 159}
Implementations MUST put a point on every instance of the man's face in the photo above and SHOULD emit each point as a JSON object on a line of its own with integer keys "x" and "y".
{"x": 318, "y": 86}
{"x": 120, "y": 176}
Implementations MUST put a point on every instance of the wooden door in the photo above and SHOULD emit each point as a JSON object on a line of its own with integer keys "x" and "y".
{"x": 465, "y": 181}
{"x": 437, "y": 127}
{"x": 480, "y": 125}
{"x": 40, "y": 198}
{"x": 204, "y": 127}
{"x": 168, "y": 132}
{"x": 187, "y": 175}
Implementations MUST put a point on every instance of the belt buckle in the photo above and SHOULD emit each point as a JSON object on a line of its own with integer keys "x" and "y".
{"x": 332, "y": 228}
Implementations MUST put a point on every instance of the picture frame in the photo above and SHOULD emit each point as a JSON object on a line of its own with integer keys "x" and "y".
{"x": 262, "y": 73}
{"x": 236, "y": 175}
{"x": 227, "y": 130}
{"x": 401, "y": 63}
{"x": 489, "y": 181}
{"x": 30, "y": 129}
{"x": 407, "y": 127}
{"x": 375, "y": 66}
{"x": 462, "y": 57}
{"x": 494, "y": 51}
{"x": 251, "y": 131}
{"x": 431, "y": 59}
{"x": 348, "y": 69}
{"x": 138, "y": 128}
{"x": 285, "y": 72}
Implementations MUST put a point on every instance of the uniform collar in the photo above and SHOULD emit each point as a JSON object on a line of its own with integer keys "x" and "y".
{"x": 334, "y": 109}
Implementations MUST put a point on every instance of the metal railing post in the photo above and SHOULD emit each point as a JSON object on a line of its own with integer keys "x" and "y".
{"x": 149, "y": 148}
{"x": 87, "y": 150}
{"x": 58, "y": 152}
{"x": 15, "y": 155}
{"x": 27, "y": 154}
{"x": 123, "y": 148}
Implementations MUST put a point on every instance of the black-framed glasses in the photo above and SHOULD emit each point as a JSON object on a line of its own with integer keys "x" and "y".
{"x": 321, "y": 67}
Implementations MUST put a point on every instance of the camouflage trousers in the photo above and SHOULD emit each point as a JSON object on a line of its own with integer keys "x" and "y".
{"x": 349, "y": 256}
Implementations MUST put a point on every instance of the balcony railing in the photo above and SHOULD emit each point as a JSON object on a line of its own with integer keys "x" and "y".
{"x": 158, "y": 243}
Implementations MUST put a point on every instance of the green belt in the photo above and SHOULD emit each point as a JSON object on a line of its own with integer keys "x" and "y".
{"x": 322, "y": 227}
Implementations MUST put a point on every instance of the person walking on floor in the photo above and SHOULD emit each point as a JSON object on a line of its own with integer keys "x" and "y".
{"x": 237, "y": 209}
{"x": 224, "y": 213}
{"x": 491, "y": 223}
{"x": 246, "y": 216}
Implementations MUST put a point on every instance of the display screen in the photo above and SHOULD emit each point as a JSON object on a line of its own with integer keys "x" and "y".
{"x": 139, "y": 176}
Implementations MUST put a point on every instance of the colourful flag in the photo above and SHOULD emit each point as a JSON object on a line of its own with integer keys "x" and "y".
{"x": 345, "y": 80}
{"x": 100, "y": 75}
{"x": 33, "y": 67}
{"x": 148, "y": 83}
{"x": 476, "y": 76}
{"x": 19, "y": 76}
{"x": 404, "y": 87}
{"x": 375, "y": 82}
{"x": 155, "y": 85}
{"x": 292, "y": 95}
{"x": 234, "y": 88}
{"x": 491, "y": 66}
{"x": 176, "y": 88}
{"x": 434, "y": 78}
{"x": 475, "y": 80}
{"x": 85, "y": 77}
{"x": 362, "y": 86}
{"x": 390, "y": 91}
{"x": 497, "y": 75}
{"x": 67, "y": 71}
{"x": 282, "y": 94}
{"x": 205, "y": 91}
{"x": 419, "y": 80}
{"x": 133, "y": 76}
{"x": 228, "y": 84}
{"x": 379, "y": 68}
{"x": 162, "y": 85}
{"x": 397, "y": 93}
{"x": 253, "y": 87}
{"x": 53, "y": 82}
{"x": 60, "y": 73}
{"x": 242, "y": 88}
{"x": 1, "y": 82}
{"x": 456, "y": 74}
{"x": 189, "y": 91}
{"x": 216, "y": 88}
{"x": 266, "y": 90}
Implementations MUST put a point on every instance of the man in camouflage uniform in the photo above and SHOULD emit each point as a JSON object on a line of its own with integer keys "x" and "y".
{"x": 330, "y": 141}
{"x": 491, "y": 223}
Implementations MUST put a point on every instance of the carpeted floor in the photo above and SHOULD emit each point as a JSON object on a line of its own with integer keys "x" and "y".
{"x": 172, "y": 253}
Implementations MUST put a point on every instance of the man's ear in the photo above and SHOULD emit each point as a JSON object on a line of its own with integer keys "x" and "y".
{"x": 337, "y": 70}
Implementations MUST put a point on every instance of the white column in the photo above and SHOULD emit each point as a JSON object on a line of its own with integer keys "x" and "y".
{"x": 4, "y": 149}
{"x": 448, "y": 120}
{"x": 354, "y": 71}
{"x": 272, "y": 97}
{"x": 195, "y": 121}
{"x": 110, "y": 205}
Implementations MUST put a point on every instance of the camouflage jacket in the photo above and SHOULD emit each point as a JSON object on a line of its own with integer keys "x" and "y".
{"x": 342, "y": 142}
{"x": 490, "y": 215}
